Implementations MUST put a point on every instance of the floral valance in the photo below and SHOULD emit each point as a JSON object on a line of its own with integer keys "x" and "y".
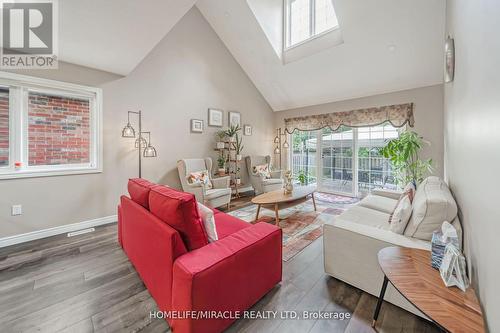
{"x": 397, "y": 115}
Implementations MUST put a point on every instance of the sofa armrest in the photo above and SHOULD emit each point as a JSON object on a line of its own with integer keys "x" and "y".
{"x": 221, "y": 182}
{"x": 230, "y": 274}
{"x": 392, "y": 194}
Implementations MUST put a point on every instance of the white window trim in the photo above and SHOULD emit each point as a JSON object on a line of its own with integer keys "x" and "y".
{"x": 312, "y": 26}
{"x": 19, "y": 86}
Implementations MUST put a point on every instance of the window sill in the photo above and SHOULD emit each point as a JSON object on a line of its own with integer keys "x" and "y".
{"x": 47, "y": 173}
{"x": 313, "y": 45}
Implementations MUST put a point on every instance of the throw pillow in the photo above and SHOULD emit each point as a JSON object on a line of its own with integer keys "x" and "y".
{"x": 410, "y": 190}
{"x": 200, "y": 177}
{"x": 207, "y": 216}
{"x": 262, "y": 171}
{"x": 401, "y": 215}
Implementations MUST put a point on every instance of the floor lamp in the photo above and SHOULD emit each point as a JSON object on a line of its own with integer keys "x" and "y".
{"x": 277, "y": 141}
{"x": 129, "y": 132}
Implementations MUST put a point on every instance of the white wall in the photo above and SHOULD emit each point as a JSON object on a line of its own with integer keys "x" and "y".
{"x": 472, "y": 140}
{"x": 187, "y": 72}
{"x": 428, "y": 113}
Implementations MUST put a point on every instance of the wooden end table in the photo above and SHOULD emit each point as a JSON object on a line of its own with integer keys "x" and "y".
{"x": 279, "y": 200}
{"x": 410, "y": 272}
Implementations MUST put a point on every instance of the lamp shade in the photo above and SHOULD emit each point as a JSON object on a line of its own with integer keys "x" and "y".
{"x": 285, "y": 144}
{"x": 277, "y": 150}
{"x": 128, "y": 131}
{"x": 149, "y": 151}
{"x": 144, "y": 143}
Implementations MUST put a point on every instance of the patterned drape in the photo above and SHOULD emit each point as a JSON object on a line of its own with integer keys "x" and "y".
{"x": 397, "y": 115}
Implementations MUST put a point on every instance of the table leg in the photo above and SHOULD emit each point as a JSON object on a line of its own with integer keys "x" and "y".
{"x": 277, "y": 214}
{"x": 380, "y": 300}
{"x": 314, "y": 201}
{"x": 258, "y": 211}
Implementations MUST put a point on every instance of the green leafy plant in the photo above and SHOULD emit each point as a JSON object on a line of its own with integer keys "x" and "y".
{"x": 221, "y": 135}
{"x": 221, "y": 161}
{"x": 403, "y": 153}
{"x": 238, "y": 144}
{"x": 302, "y": 177}
{"x": 232, "y": 130}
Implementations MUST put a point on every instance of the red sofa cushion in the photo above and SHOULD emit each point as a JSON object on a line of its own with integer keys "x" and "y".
{"x": 180, "y": 211}
{"x": 227, "y": 224}
{"x": 138, "y": 189}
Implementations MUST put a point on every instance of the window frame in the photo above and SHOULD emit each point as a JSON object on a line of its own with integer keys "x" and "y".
{"x": 19, "y": 87}
{"x": 312, "y": 25}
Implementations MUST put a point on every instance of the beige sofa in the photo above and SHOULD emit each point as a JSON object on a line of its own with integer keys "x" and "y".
{"x": 353, "y": 239}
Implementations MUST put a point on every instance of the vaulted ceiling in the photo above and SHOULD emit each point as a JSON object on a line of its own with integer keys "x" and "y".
{"x": 389, "y": 45}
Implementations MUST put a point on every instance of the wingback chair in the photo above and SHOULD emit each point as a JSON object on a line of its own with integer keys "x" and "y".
{"x": 259, "y": 183}
{"x": 217, "y": 196}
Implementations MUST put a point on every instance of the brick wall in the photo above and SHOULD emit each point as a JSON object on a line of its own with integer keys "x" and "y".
{"x": 58, "y": 130}
{"x": 4, "y": 127}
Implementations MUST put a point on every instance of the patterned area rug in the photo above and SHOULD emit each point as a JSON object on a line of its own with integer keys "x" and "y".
{"x": 301, "y": 225}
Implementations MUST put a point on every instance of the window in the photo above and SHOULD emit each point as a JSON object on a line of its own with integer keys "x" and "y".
{"x": 345, "y": 161}
{"x": 308, "y": 18}
{"x": 48, "y": 128}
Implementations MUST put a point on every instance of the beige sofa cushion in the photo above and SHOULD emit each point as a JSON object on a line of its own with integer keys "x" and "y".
{"x": 432, "y": 205}
{"x": 380, "y": 203}
{"x": 366, "y": 216}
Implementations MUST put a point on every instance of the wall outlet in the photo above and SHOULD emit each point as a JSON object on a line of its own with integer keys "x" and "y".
{"x": 17, "y": 210}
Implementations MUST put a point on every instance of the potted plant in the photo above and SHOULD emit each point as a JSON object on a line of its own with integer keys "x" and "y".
{"x": 220, "y": 135}
{"x": 238, "y": 146}
{"x": 221, "y": 163}
{"x": 232, "y": 131}
{"x": 302, "y": 178}
{"x": 403, "y": 154}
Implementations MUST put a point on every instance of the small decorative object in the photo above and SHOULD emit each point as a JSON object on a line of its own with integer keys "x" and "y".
{"x": 238, "y": 181}
{"x": 452, "y": 268}
{"x": 441, "y": 238}
{"x": 215, "y": 117}
{"x": 247, "y": 130}
{"x": 234, "y": 118}
{"x": 449, "y": 59}
{"x": 196, "y": 125}
{"x": 288, "y": 186}
{"x": 231, "y": 132}
{"x": 238, "y": 146}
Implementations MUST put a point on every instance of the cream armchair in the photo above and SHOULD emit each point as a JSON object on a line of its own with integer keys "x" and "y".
{"x": 259, "y": 183}
{"x": 217, "y": 196}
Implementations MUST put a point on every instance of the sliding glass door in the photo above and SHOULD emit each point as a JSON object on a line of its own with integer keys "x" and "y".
{"x": 346, "y": 161}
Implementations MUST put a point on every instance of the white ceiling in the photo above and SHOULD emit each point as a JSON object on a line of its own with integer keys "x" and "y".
{"x": 389, "y": 45}
{"x": 115, "y": 35}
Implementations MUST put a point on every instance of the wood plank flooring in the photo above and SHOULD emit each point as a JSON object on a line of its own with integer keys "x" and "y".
{"x": 86, "y": 284}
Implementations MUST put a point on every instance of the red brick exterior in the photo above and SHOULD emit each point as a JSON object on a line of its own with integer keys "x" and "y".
{"x": 4, "y": 127}
{"x": 58, "y": 130}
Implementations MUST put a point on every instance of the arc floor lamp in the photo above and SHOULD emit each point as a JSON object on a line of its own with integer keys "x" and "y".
{"x": 129, "y": 132}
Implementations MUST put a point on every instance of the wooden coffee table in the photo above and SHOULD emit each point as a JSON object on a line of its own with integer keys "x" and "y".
{"x": 279, "y": 200}
{"x": 410, "y": 272}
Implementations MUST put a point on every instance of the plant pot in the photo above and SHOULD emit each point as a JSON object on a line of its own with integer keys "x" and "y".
{"x": 221, "y": 172}
{"x": 232, "y": 139}
{"x": 238, "y": 157}
{"x": 220, "y": 145}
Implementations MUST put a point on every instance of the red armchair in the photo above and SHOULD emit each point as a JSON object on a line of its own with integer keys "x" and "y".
{"x": 230, "y": 274}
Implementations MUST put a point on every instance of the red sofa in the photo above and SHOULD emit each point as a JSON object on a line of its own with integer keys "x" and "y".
{"x": 186, "y": 275}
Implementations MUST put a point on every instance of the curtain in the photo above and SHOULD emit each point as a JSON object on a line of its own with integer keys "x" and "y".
{"x": 397, "y": 115}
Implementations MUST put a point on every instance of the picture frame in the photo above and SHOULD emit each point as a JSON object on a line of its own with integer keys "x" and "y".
{"x": 234, "y": 118}
{"x": 247, "y": 130}
{"x": 215, "y": 117}
{"x": 196, "y": 126}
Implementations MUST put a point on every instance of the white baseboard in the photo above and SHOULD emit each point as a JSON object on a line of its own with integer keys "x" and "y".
{"x": 22, "y": 238}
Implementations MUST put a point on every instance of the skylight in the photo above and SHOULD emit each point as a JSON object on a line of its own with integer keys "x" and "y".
{"x": 305, "y": 19}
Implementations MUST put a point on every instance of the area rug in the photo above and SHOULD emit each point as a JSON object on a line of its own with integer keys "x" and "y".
{"x": 301, "y": 225}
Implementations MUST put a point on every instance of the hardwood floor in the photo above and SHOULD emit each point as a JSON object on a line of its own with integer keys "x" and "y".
{"x": 86, "y": 284}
